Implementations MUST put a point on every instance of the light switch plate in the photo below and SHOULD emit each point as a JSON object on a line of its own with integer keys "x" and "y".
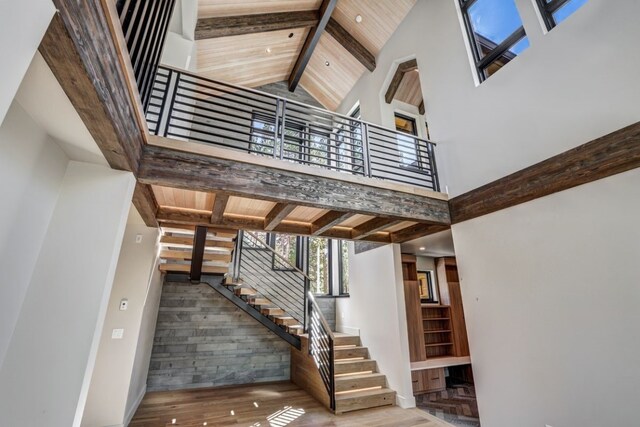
{"x": 124, "y": 304}
{"x": 138, "y": 238}
{"x": 117, "y": 334}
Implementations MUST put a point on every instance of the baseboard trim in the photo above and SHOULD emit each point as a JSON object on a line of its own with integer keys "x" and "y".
{"x": 405, "y": 402}
{"x": 134, "y": 407}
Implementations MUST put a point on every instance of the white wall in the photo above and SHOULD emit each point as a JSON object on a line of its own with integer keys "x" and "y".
{"x": 31, "y": 169}
{"x": 47, "y": 369}
{"x": 376, "y": 311}
{"x": 552, "y": 305}
{"x": 180, "y": 47}
{"x": 22, "y": 25}
{"x": 107, "y": 399}
{"x": 554, "y": 278}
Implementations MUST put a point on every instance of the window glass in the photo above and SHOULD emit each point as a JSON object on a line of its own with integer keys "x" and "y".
{"x": 343, "y": 263}
{"x": 285, "y": 246}
{"x": 406, "y": 145}
{"x": 567, "y": 10}
{"x": 262, "y": 134}
{"x": 319, "y": 265}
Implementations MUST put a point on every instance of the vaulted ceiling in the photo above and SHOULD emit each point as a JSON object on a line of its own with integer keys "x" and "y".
{"x": 242, "y": 42}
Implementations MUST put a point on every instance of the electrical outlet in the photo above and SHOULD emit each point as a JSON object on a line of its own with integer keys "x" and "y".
{"x": 124, "y": 304}
{"x": 117, "y": 334}
{"x": 138, "y": 238}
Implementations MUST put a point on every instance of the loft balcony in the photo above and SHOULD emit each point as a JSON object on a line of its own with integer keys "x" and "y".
{"x": 186, "y": 107}
{"x": 206, "y": 152}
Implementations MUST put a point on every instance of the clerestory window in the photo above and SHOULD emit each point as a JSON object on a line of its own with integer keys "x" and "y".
{"x": 555, "y": 11}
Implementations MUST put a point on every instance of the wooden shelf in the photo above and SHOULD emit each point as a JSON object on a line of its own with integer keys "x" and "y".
{"x": 438, "y": 344}
{"x": 436, "y": 318}
{"x": 442, "y": 331}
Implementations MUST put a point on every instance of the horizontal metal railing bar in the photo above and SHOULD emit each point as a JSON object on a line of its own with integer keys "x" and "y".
{"x": 397, "y": 140}
{"x": 222, "y": 90}
{"x": 401, "y": 181}
{"x": 249, "y": 117}
{"x": 303, "y": 139}
{"x": 184, "y": 90}
{"x": 317, "y": 148}
{"x": 295, "y": 285}
{"x": 399, "y": 149}
{"x": 379, "y": 130}
{"x": 249, "y": 134}
{"x": 289, "y": 279}
{"x": 252, "y": 109}
{"x": 397, "y": 172}
{"x": 192, "y": 131}
{"x": 208, "y": 141}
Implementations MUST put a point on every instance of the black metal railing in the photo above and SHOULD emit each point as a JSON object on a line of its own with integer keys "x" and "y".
{"x": 321, "y": 347}
{"x": 269, "y": 273}
{"x": 189, "y": 107}
{"x": 144, "y": 25}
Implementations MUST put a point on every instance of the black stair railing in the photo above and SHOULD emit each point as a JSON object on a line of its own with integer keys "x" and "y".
{"x": 321, "y": 347}
{"x": 258, "y": 265}
{"x": 189, "y": 107}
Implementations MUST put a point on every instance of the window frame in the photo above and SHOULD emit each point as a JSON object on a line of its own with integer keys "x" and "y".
{"x": 330, "y": 284}
{"x": 548, "y": 9}
{"x": 502, "y": 49}
{"x": 271, "y": 241}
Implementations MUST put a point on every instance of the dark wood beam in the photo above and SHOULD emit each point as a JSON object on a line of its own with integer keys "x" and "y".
{"x": 417, "y": 230}
{"x": 328, "y": 221}
{"x": 326, "y": 9}
{"x": 80, "y": 50}
{"x": 279, "y": 212}
{"x": 145, "y": 203}
{"x": 402, "y": 69}
{"x": 235, "y": 222}
{"x": 173, "y": 168}
{"x": 197, "y": 253}
{"x": 611, "y": 154}
{"x": 353, "y": 46}
{"x": 219, "y": 206}
{"x": 223, "y": 26}
{"x": 371, "y": 227}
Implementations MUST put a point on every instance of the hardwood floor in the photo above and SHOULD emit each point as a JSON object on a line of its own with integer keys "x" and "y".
{"x": 263, "y": 405}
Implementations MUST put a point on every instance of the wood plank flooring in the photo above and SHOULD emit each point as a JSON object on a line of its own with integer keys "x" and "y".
{"x": 263, "y": 405}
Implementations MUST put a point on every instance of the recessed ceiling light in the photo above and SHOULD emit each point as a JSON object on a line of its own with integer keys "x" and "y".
{"x": 268, "y": 50}
{"x": 358, "y": 18}
{"x": 327, "y": 63}
{"x": 422, "y": 248}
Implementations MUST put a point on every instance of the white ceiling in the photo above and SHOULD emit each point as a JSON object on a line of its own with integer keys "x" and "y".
{"x": 43, "y": 99}
{"x": 435, "y": 245}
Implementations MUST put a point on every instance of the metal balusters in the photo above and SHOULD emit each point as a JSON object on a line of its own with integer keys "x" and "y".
{"x": 321, "y": 347}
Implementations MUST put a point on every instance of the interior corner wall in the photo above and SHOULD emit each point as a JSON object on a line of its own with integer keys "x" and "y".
{"x": 22, "y": 26}
{"x": 32, "y": 168}
{"x": 552, "y": 307}
{"x": 45, "y": 376}
{"x": 375, "y": 310}
{"x": 144, "y": 347}
{"x": 107, "y": 399}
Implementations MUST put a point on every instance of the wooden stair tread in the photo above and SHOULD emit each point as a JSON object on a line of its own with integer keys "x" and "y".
{"x": 351, "y": 353}
{"x": 364, "y": 393}
{"x": 186, "y": 255}
{"x": 185, "y": 268}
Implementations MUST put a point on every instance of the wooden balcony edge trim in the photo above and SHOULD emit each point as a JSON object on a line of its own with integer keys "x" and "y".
{"x": 226, "y": 154}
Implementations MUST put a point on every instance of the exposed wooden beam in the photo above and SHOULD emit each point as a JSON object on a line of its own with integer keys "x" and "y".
{"x": 197, "y": 253}
{"x": 353, "y": 46}
{"x": 328, "y": 221}
{"x": 173, "y": 168}
{"x": 80, "y": 50}
{"x": 219, "y": 206}
{"x": 237, "y": 222}
{"x": 402, "y": 69}
{"x": 224, "y": 26}
{"x": 611, "y": 154}
{"x": 417, "y": 230}
{"x": 326, "y": 9}
{"x": 421, "y": 109}
{"x": 372, "y": 226}
{"x": 279, "y": 212}
{"x": 145, "y": 203}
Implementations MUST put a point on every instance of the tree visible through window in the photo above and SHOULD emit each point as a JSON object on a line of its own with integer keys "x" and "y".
{"x": 319, "y": 265}
{"x": 495, "y": 33}
{"x": 343, "y": 265}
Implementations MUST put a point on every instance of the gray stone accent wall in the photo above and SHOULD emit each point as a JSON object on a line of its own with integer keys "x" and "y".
{"x": 328, "y": 309}
{"x": 203, "y": 340}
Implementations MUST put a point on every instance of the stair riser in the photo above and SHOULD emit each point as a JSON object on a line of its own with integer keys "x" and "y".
{"x": 351, "y": 353}
{"x": 359, "y": 383}
{"x": 348, "y": 340}
{"x": 353, "y": 367}
{"x": 355, "y": 404}
{"x": 286, "y": 322}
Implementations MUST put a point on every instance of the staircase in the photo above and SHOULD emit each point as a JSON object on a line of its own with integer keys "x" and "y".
{"x": 358, "y": 383}
{"x": 245, "y": 270}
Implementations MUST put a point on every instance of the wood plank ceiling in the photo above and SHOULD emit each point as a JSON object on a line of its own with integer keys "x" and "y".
{"x": 256, "y": 59}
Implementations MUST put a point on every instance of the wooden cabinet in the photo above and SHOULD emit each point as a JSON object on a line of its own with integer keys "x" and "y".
{"x": 438, "y": 335}
{"x": 451, "y": 295}
{"x": 428, "y": 380}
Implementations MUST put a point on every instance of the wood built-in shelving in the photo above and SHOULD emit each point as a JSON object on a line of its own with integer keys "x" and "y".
{"x": 438, "y": 335}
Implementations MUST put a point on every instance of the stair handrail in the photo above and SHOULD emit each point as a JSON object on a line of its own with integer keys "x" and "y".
{"x": 283, "y": 259}
{"x": 321, "y": 347}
